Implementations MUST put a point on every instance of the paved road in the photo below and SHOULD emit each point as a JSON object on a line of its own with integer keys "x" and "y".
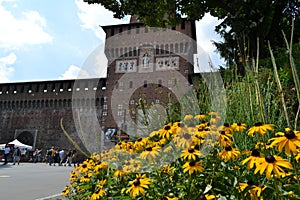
{"x": 29, "y": 181}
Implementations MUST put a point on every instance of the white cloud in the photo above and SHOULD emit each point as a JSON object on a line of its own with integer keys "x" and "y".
{"x": 71, "y": 73}
{"x": 6, "y": 71}
{"x": 93, "y": 15}
{"x": 28, "y": 30}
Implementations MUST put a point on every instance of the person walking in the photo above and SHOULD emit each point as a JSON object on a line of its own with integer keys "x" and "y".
{"x": 16, "y": 155}
{"x": 6, "y": 153}
{"x": 61, "y": 157}
{"x": 69, "y": 158}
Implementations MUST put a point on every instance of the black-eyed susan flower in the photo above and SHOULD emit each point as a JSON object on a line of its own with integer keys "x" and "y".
{"x": 254, "y": 191}
{"x": 298, "y": 156}
{"x": 260, "y": 128}
{"x": 190, "y": 154}
{"x": 138, "y": 185}
{"x": 252, "y": 159}
{"x": 272, "y": 164}
{"x": 238, "y": 127}
{"x": 214, "y": 119}
{"x": 98, "y": 193}
{"x": 200, "y": 117}
{"x": 184, "y": 140}
{"x": 84, "y": 167}
{"x": 192, "y": 167}
{"x": 223, "y": 139}
{"x": 120, "y": 172}
{"x": 166, "y": 131}
{"x": 188, "y": 117}
{"x": 86, "y": 178}
{"x": 289, "y": 140}
{"x": 229, "y": 153}
{"x": 150, "y": 153}
{"x": 66, "y": 191}
{"x": 227, "y": 128}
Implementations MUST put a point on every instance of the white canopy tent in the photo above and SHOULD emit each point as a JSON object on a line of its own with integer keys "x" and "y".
{"x": 22, "y": 146}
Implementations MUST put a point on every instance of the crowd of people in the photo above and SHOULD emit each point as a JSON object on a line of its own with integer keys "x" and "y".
{"x": 53, "y": 156}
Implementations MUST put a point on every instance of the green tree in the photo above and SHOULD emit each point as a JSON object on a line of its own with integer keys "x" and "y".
{"x": 241, "y": 21}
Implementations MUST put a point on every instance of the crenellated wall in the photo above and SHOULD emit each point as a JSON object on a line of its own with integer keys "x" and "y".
{"x": 31, "y": 111}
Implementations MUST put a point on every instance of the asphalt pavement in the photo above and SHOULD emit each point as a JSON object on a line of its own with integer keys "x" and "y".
{"x": 29, "y": 181}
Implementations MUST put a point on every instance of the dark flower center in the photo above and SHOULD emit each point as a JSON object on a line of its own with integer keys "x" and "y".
{"x": 202, "y": 197}
{"x": 290, "y": 134}
{"x": 226, "y": 125}
{"x": 207, "y": 129}
{"x": 213, "y": 116}
{"x": 180, "y": 124}
{"x": 192, "y": 164}
{"x": 258, "y": 124}
{"x": 137, "y": 182}
{"x": 270, "y": 159}
{"x": 167, "y": 128}
{"x": 250, "y": 182}
{"x": 228, "y": 148}
{"x": 140, "y": 139}
{"x": 239, "y": 124}
{"x": 222, "y": 132}
{"x": 120, "y": 168}
{"x": 135, "y": 165}
{"x": 149, "y": 149}
{"x": 187, "y": 136}
{"x": 255, "y": 153}
{"x": 200, "y": 129}
{"x": 84, "y": 166}
{"x": 86, "y": 176}
{"x": 191, "y": 150}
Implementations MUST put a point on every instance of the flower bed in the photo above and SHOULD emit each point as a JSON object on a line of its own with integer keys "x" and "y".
{"x": 187, "y": 161}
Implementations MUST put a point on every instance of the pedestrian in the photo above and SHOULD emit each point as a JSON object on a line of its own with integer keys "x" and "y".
{"x": 6, "y": 153}
{"x": 51, "y": 154}
{"x": 17, "y": 155}
{"x": 61, "y": 157}
{"x": 69, "y": 158}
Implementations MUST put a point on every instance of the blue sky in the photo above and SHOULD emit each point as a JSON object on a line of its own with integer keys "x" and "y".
{"x": 49, "y": 40}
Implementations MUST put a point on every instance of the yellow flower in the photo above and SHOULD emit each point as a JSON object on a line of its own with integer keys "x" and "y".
{"x": 190, "y": 154}
{"x": 207, "y": 197}
{"x": 289, "y": 140}
{"x": 254, "y": 191}
{"x": 200, "y": 117}
{"x": 170, "y": 198}
{"x": 149, "y": 153}
{"x": 260, "y": 128}
{"x": 227, "y": 128}
{"x": 251, "y": 160}
{"x": 84, "y": 167}
{"x": 188, "y": 117}
{"x": 86, "y": 178}
{"x": 192, "y": 167}
{"x": 223, "y": 139}
{"x": 120, "y": 172}
{"x": 298, "y": 156}
{"x": 238, "y": 127}
{"x": 138, "y": 185}
{"x": 66, "y": 191}
{"x": 229, "y": 153}
{"x": 98, "y": 194}
{"x": 272, "y": 163}
{"x": 166, "y": 132}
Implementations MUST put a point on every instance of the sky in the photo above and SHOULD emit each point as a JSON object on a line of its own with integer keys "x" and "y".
{"x": 51, "y": 39}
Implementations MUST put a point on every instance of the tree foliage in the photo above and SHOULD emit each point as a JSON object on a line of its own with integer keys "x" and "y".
{"x": 241, "y": 21}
